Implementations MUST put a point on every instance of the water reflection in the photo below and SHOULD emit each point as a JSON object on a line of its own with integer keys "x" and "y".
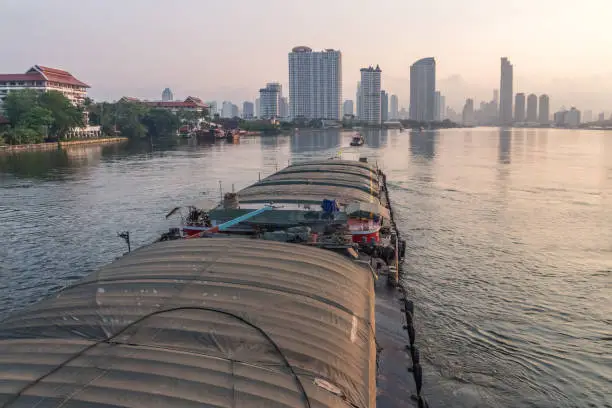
{"x": 375, "y": 138}
{"x": 505, "y": 145}
{"x": 314, "y": 141}
{"x": 423, "y": 144}
{"x": 50, "y": 165}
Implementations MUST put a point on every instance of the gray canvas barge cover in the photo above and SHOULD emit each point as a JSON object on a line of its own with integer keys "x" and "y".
{"x": 199, "y": 323}
{"x": 312, "y": 182}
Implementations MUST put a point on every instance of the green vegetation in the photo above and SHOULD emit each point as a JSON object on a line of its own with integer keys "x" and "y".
{"x": 263, "y": 126}
{"x": 136, "y": 120}
{"x": 34, "y": 117}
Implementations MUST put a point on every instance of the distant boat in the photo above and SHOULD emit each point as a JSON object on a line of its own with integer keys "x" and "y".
{"x": 357, "y": 140}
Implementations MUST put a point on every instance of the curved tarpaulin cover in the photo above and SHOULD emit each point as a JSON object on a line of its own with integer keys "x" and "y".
{"x": 199, "y": 323}
{"x": 312, "y": 182}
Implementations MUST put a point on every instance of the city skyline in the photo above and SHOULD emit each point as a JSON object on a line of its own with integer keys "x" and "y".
{"x": 120, "y": 55}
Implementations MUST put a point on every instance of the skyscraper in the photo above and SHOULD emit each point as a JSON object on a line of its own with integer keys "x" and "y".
{"x": 442, "y": 107}
{"x": 519, "y": 108}
{"x": 284, "y": 107}
{"x": 384, "y": 106}
{"x": 532, "y": 108}
{"x": 437, "y": 98}
{"x": 315, "y": 83}
{"x": 226, "y": 109}
{"x": 544, "y": 116}
{"x": 248, "y": 110}
{"x": 394, "y": 108}
{"x": 468, "y": 113}
{"x": 257, "y": 107}
{"x": 270, "y": 100}
{"x": 348, "y": 107}
{"x": 359, "y": 100}
{"x": 422, "y": 90}
{"x": 167, "y": 95}
{"x": 505, "y": 103}
{"x": 370, "y": 95}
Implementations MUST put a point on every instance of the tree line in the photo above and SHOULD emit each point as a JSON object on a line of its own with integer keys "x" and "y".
{"x": 35, "y": 116}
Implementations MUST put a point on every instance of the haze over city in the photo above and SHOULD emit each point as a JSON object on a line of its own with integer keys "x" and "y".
{"x": 228, "y": 50}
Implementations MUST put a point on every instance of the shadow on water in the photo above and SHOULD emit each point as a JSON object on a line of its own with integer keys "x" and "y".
{"x": 423, "y": 144}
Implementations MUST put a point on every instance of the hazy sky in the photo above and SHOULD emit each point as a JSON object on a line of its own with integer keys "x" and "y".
{"x": 228, "y": 49}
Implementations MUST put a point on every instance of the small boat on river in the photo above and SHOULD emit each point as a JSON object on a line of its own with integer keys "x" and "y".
{"x": 357, "y": 140}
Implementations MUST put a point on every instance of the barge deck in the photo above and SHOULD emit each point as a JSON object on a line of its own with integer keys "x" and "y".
{"x": 236, "y": 319}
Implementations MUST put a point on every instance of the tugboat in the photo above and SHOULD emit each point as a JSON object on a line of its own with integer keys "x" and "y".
{"x": 357, "y": 140}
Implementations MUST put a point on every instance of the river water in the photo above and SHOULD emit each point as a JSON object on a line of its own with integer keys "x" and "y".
{"x": 509, "y": 256}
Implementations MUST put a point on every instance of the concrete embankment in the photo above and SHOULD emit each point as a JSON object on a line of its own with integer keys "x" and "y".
{"x": 55, "y": 145}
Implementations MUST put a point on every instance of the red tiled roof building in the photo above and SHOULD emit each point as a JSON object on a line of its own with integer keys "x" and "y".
{"x": 45, "y": 79}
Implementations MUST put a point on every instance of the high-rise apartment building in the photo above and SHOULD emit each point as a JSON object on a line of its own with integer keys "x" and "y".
{"x": 248, "y": 110}
{"x": 384, "y": 106}
{"x": 532, "y": 108}
{"x": 167, "y": 95}
{"x": 422, "y": 90}
{"x": 284, "y": 107}
{"x": 544, "y": 116}
{"x": 348, "y": 108}
{"x": 270, "y": 101}
{"x": 315, "y": 83}
{"x": 506, "y": 92}
{"x": 519, "y": 108}
{"x": 370, "y": 95}
{"x": 394, "y": 108}
{"x": 359, "y": 99}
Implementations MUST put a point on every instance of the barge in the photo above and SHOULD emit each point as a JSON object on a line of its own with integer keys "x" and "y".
{"x": 274, "y": 303}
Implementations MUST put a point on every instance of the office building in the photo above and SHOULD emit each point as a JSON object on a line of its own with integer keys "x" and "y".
{"x": 348, "y": 108}
{"x": 519, "y": 108}
{"x": 422, "y": 90}
{"x": 601, "y": 117}
{"x": 384, "y": 106}
{"x": 370, "y": 95}
{"x": 167, "y": 95}
{"x": 506, "y": 92}
{"x": 315, "y": 83}
{"x": 544, "y": 114}
{"x": 226, "y": 109}
{"x": 257, "y": 108}
{"x": 394, "y": 108}
{"x": 235, "y": 111}
{"x": 248, "y": 110}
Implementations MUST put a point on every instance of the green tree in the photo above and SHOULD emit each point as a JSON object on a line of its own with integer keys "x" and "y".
{"x": 128, "y": 119}
{"x": 18, "y": 103}
{"x": 160, "y": 122}
{"x": 65, "y": 114}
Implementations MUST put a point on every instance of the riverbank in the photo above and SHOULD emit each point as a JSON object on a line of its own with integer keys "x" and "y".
{"x": 37, "y": 147}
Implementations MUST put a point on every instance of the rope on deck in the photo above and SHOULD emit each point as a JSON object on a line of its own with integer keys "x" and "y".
{"x": 408, "y": 305}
